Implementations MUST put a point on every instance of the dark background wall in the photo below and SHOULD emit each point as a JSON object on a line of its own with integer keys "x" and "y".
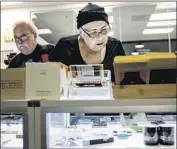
{"x": 154, "y": 45}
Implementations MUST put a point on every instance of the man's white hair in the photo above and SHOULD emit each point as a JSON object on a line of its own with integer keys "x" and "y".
{"x": 31, "y": 27}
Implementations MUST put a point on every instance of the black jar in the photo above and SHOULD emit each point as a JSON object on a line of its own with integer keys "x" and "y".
{"x": 151, "y": 135}
{"x": 166, "y": 135}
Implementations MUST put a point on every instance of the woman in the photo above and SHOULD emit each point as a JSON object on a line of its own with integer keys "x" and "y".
{"x": 92, "y": 45}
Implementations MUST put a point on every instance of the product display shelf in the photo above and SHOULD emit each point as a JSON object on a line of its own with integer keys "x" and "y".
{"x": 13, "y": 144}
{"x": 136, "y": 141}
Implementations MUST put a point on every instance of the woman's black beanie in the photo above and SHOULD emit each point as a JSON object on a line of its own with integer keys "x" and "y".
{"x": 91, "y": 12}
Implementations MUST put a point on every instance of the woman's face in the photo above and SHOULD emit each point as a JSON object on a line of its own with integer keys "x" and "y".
{"x": 95, "y": 35}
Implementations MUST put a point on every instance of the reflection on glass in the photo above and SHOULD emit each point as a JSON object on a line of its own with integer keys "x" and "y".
{"x": 102, "y": 130}
{"x": 11, "y": 132}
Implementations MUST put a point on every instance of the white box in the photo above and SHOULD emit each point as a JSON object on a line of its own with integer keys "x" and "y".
{"x": 46, "y": 81}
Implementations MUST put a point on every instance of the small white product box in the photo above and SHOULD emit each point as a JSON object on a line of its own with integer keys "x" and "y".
{"x": 46, "y": 81}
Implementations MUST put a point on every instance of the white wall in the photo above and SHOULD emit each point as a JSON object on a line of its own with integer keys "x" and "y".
{"x": 8, "y": 18}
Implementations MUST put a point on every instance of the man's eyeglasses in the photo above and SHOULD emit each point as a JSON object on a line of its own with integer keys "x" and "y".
{"x": 21, "y": 39}
{"x": 94, "y": 34}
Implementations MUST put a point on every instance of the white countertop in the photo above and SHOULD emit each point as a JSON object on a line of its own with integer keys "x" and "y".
{"x": 134, "y": 141}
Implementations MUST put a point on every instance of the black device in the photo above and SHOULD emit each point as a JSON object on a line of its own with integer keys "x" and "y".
{"x": 99, "y": 141}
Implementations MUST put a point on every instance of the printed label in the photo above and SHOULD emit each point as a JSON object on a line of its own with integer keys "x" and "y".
{"x": 11, "y": 84}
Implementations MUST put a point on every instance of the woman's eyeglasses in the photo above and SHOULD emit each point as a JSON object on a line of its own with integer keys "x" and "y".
{"x": 94, "y": 34}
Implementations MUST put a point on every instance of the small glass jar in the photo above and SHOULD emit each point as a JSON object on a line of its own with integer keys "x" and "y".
{"x": 151, "y": 135}
{"x": 166, "y": 135}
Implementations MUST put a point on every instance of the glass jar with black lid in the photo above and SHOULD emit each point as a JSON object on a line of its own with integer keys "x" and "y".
{"x": 166, "y": 134}
{"x": 151, "y": 136}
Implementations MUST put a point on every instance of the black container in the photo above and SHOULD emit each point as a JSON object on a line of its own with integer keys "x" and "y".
{"x": 166, "y": 135}
{"x": 151, "y": 135}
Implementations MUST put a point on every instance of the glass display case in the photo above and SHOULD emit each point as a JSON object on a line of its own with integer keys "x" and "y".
{"x": 90, "y": 84}
{"x": 51, "y": 124}
{"x": 107, "y": 124}
{"x": 17, "y": 127}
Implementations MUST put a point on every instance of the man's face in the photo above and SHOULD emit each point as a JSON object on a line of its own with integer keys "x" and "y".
{"x": 95, "y": 35}
{"x": 25, "y": 41}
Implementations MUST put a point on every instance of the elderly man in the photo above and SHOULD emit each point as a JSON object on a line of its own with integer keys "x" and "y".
{"x": 25, "y": 36}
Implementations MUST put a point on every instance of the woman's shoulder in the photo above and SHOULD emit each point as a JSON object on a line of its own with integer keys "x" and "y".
{"x": 115, "y": 46}
{"x": 113, "y": 40}
{"x": 64, "y": 49}
{"x": 69, "y": 44}
{"x": 73, "y": 39}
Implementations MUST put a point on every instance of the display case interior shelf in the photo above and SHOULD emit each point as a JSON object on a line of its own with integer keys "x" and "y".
{"x": 12, "y": 131}
{"x": 14, "y": 144}
{"x": 59, "y": 137}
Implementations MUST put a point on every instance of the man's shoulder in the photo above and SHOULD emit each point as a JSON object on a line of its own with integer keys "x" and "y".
{"x": 17, "y": 57}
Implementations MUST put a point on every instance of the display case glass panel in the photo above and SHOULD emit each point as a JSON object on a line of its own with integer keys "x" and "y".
{"x": 12, "y": 131}
{"x": 110, "y": 130}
